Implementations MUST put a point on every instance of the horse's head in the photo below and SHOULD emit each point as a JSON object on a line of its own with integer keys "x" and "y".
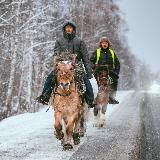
{"x": 65, "y": 71}
{"x": 102, "y": 77}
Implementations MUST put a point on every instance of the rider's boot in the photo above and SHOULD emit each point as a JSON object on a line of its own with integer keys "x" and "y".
{"x": 44, "y": 97}
{"x": 47, "y": 90}
{"x": 112, "y": 99}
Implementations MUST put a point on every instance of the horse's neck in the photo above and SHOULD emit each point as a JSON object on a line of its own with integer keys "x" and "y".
{"x": 102, "y": 89}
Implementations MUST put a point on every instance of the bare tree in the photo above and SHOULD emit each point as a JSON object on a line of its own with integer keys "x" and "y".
{"x": 28, "y": 30}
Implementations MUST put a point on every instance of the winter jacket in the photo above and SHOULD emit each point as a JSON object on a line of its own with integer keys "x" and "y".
{"x": 106, "y": 58}
{"x": 73, "y": 44}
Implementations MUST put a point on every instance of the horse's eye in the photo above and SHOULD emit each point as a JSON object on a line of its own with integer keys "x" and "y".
{"x": 71, "y": 68}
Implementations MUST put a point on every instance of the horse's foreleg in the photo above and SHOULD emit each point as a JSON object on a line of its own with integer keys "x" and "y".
{"x": 95, "y": 111}
{"x": 82, "y": 129}
{"x": 104, "y": 108}
{"x": 83, "y": 119}
{"x": 69, "y": 129}
{"x": 58, "y": 125}
{"x": 97, "y": 114}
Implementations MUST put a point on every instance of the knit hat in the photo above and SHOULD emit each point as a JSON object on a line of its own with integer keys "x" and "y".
{"x": 104, "y": 39}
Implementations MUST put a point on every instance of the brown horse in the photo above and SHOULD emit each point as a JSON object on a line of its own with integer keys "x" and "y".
{"x": 67, "y": 103}
{"x": 102, "y": 98}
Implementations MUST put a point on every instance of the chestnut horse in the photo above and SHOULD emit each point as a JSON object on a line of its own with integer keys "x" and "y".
{"x": 67, "y": 103}
{"x": 102, "y": 98}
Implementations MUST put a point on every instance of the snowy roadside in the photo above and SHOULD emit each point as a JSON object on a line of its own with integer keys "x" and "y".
{"x": 30, "y": 136}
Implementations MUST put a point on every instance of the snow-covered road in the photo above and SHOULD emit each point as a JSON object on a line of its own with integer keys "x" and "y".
{"x": 30, "y": 136}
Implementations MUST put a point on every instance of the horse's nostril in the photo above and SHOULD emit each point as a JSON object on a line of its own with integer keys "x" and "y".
{"x": 67, "y": 84}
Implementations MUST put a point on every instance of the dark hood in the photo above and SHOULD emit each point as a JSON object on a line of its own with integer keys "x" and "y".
{"x": 73, "y": 34}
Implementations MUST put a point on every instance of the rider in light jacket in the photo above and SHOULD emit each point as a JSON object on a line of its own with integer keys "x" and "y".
{"x": 104, "y": 55}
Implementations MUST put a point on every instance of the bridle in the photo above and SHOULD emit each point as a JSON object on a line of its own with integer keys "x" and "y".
{"x": 63, "y": 94}
{"x": 63, "y": 86}
{"x": 104, "y": 76}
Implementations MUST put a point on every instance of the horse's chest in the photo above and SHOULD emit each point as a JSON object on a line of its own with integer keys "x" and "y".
{"x": 102, "y": 98}
{"x": 66, "y": 104}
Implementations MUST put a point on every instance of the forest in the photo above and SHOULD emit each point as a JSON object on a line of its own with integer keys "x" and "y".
{"x": 28, "y": 31}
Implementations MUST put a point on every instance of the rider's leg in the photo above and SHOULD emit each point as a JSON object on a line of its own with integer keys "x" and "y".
{"x": 47, "y": 89}
{"x": 89, "y": 95}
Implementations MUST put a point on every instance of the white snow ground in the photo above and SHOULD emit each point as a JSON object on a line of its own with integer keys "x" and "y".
{"x": 30, "y": 136}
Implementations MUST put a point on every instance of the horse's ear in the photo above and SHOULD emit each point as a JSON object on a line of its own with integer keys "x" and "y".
{"x": 55, "y": 61}
{"x": 74, "y": 56}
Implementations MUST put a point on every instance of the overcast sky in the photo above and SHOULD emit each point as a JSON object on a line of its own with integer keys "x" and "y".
{"x": 143, "y": 18}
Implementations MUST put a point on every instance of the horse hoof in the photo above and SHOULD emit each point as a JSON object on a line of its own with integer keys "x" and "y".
{"x": 67, "y": 147}
{"x": 59, "y": 136}
{"x": 95, "y": 111}
{"x": 76, "y": 142}
{"x": 101, "y": 125}
{"x": 81, "y": 134}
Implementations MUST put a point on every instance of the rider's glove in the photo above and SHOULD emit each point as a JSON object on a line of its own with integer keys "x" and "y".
{"x": 96, "y": 66}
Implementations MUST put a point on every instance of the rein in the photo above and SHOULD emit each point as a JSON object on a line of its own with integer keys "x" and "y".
{"x": 64, "y": 94}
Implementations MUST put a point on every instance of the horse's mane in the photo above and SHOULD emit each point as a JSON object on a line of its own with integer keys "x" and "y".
{"x": 66, "y": 57}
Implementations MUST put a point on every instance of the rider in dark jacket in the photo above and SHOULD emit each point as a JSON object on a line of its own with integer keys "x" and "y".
{"x": 72, "y": 44}
{"x": 109, "y": 58}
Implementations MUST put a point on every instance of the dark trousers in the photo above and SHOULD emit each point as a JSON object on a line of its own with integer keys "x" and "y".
{"x": 50, "y": 83}
{"x": 114, "y": 85}
{"x": 115, "y": 78}
{"x": 89, "y": 95}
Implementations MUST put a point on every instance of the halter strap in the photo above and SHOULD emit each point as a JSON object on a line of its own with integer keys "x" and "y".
{"x": 62, "y": 94}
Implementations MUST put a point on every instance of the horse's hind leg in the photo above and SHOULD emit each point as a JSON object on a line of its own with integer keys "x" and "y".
{"x": 77, "y": 130}
{"x": 102, "y": 116}
{"x": 82, "y": 129}
{"x": 96, "y": 112}
{"x": 83, "y": 119}
{"x": 58, "y": 125}
{"x": 76, "y": 138}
